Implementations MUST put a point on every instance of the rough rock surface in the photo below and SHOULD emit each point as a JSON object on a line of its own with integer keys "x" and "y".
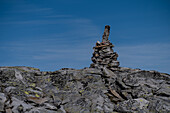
{"x": 88, "y": 90}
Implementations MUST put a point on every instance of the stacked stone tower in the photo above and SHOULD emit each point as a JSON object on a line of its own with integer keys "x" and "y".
{"x": 103, "y": 55}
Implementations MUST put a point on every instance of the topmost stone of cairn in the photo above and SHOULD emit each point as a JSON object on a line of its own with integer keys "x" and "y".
{"x": 106, "y": 33}
{"x": 103, "y": 55}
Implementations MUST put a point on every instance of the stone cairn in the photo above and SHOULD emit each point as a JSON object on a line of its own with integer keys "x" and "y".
{"x": 104, "y": 56}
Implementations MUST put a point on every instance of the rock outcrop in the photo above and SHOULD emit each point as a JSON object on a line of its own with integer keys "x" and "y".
{"x": 88, "y": 90}
{"x": 102, "y": 88}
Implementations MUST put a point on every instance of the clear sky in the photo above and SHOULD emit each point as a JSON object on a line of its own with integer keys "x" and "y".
{"x": 54, "y": 34}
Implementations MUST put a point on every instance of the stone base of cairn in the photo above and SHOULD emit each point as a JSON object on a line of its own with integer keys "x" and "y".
{"x": 104, "y": 56}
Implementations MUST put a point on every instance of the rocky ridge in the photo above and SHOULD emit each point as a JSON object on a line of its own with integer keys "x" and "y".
{"x": 102, "y": 88}
{"x": 88, "y": 90}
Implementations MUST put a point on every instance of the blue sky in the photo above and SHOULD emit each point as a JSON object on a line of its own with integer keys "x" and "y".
{"x": 58, "y": 34}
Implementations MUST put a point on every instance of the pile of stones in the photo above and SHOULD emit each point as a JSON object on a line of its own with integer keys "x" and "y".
{"x": 103, "y": 55}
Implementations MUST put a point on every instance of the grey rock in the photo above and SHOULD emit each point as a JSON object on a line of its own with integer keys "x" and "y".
{"x": 2, "y": 101}
{"x": 85, "y": 90}
{"x": 108, "y": 73}
{"x": 133, "y": 105}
